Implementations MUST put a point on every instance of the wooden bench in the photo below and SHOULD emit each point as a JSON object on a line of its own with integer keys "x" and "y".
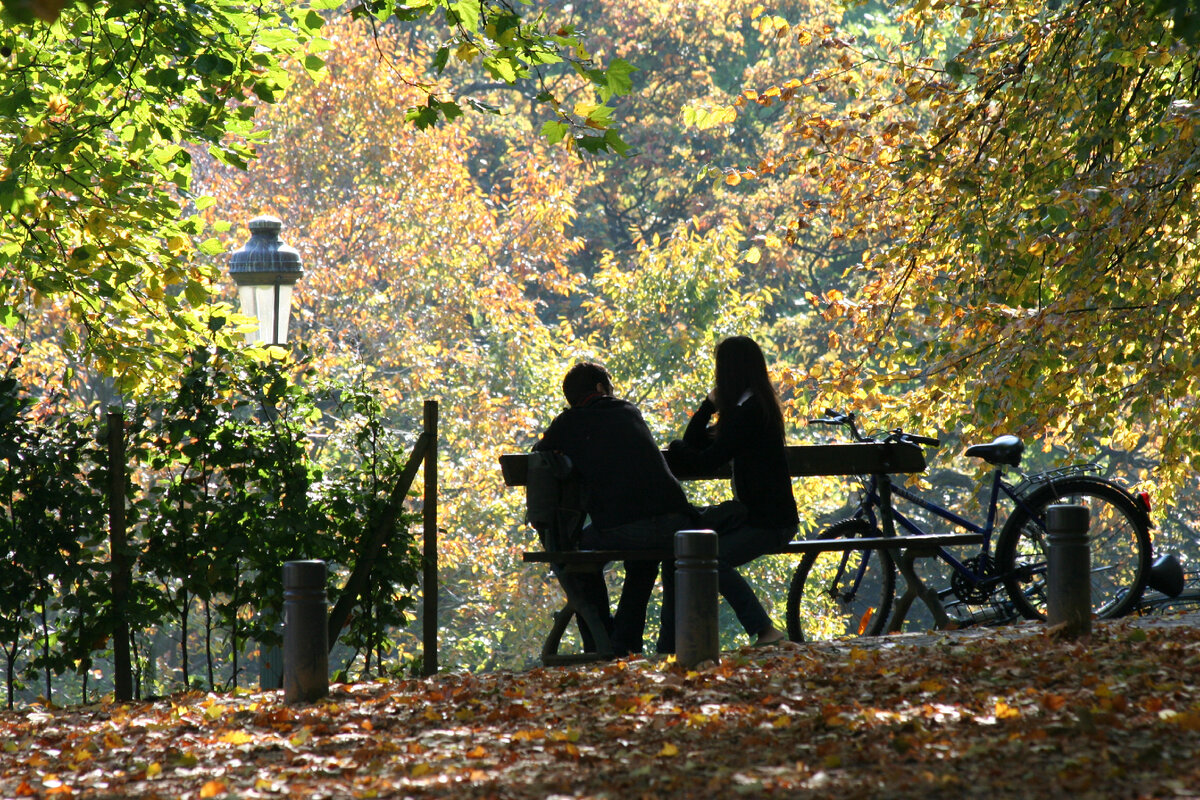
{"x": 803, "y": 461}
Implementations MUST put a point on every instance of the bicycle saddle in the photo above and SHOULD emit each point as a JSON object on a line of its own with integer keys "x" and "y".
{"x": 1005, "y": 449}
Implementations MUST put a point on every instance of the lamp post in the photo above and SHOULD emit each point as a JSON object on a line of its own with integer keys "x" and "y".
{"x": 265, "y": 270}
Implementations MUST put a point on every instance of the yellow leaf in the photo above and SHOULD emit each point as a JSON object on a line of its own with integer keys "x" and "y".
{"x": 58, "y": 104}
{"x": 154, "y": 770}
{"x": 237, "y": 737}
{"x": 1005, "y": 711}
{"x": 668, "y": 750}
{"x": 585, "y": 109}
{"x": 753, "y": 255}
{"x": 782, "y": 721}
{"x": 733, "y": 179}
{"x": 756, "y": 12}
{"x": 419, "y": 770}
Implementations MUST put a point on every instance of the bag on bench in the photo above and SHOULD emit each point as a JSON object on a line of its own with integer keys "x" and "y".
{"x": 554, "y": 501}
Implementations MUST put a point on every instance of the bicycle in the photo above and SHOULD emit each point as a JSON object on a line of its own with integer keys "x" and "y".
{"x": 856, "y": 589}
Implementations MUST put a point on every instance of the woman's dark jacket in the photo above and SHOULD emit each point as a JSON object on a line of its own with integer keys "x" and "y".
{"x": 744, "y": 437}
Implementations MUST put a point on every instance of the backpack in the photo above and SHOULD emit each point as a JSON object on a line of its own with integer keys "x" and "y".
{"x": 554, "y": 500}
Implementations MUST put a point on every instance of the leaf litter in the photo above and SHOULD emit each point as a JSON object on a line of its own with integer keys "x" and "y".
{"x": 1011, "y": 712}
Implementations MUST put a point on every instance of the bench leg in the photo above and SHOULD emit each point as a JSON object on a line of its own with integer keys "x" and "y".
{"x": 914, "y": 587}
{"x": 592, "y": 628}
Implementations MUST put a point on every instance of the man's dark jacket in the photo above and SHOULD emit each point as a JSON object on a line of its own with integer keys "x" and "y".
{"x": 625, "y": 475}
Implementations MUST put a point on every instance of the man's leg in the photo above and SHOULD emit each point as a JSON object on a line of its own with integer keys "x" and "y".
{"x": 666, "y": 622}
{"x": 657, "y": 533}
{"x": 629, "y": 623}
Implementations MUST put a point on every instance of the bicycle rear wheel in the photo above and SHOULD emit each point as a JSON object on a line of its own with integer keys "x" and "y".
{"x": 1118, "y": 534}
{"x": 836, "y": 594}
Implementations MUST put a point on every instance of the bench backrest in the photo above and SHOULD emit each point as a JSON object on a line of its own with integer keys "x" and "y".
{"x": 803, "y": 460}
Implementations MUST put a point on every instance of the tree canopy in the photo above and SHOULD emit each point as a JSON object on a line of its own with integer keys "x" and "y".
{"x": 973, "y": 217}
{"x": 100, "y": 99}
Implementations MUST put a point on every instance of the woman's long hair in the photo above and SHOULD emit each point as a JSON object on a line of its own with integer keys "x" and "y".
{"x": 741, "y": 365}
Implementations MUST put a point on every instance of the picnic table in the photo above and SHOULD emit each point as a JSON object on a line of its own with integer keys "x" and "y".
{"x": 804, "y": 460}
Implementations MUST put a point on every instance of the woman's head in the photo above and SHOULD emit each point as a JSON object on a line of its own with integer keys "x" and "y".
{"x": 742, "y": 366}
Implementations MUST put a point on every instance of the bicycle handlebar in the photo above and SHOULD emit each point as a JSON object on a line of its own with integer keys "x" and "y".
{"x": 896, "y": 435}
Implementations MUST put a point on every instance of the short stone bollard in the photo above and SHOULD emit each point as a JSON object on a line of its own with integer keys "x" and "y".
{"x": 697, "y": 633}
{"x": 305, "y": 632}
{"x": 1068, "y": 570}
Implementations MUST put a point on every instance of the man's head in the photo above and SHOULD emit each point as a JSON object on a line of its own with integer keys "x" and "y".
{"x": 584, "y": 380}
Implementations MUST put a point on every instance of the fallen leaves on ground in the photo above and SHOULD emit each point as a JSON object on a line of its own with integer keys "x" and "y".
{"x": 1004, "y": 712}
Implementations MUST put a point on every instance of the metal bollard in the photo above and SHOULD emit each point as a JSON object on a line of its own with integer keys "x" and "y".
{"x": 305, "y": 632}
{"x": 1068, "y": 570}
{"x": 697, "y": 634}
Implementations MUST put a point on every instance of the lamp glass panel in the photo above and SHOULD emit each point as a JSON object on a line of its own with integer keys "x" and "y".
{"x": 285, "y": 311}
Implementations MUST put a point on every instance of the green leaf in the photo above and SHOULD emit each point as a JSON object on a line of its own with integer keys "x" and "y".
{"x": 619, "y": 74}
{"x": 196, "y": 293}
{"x": 465, "y": 13}
{"x": 265, "y": 92}
{"x": 615, "y": 142}
{"x": 1122, "y": 57}
{"x": 501, "y": 68}
{"x": 593, "y": 144}
{"x": 313, "y": 21}
{"x": 424, "y": 117}
{"x": 555, "y": 131}
{"x": 440, "y": 60}
{"x": 315, "y": 66}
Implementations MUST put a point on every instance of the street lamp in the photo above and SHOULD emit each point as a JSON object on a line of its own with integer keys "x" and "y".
{"x": 265, "y": 270}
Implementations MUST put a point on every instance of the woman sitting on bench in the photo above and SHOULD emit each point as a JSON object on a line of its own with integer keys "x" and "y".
{"x": 749, "y": 434}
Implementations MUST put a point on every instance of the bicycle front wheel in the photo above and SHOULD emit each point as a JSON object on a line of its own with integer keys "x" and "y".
{"x": 838, "y": 593}
{"x": 1118, "y": 535}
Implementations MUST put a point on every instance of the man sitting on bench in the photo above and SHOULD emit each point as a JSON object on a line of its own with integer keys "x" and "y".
{"x": 633, "y": 500}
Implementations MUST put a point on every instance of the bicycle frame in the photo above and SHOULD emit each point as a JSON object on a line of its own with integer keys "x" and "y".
{"x": 877, "y": 507}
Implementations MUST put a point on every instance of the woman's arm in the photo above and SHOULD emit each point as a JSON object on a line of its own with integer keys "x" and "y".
{"x": 698, "y": 434}
{"x": 705, "y": 451}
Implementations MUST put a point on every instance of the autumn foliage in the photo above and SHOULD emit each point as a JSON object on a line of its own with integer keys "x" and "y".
{"x": 964, "y": 218}
{"x": 1011, "y": 713}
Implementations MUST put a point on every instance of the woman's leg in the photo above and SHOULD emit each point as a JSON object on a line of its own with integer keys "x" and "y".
{"x": 736, "y": 547}
{"x": 740, "y": 596}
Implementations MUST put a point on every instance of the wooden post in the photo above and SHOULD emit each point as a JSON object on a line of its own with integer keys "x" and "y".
{"x": 122, "y": 671}
{"x": 430, "y": 582}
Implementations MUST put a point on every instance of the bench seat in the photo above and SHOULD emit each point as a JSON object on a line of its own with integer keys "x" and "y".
{"x": 799, "y": 547}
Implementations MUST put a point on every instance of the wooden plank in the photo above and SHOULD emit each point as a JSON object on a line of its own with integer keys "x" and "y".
{"x": 804, "y": 460}
{"x": 792, "y": 548}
